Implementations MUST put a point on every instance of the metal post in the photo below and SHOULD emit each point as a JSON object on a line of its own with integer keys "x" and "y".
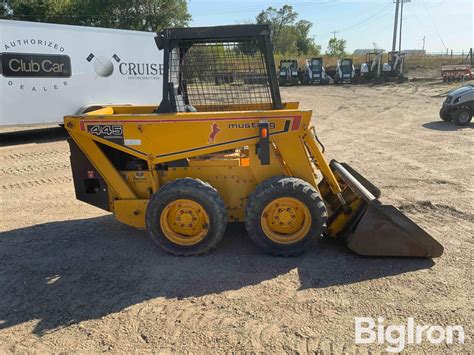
{"x": 267, "y": 48}
{"x": 401, "y": 22}
{"x": 395, "y": 25}
{"x": 165, "y": 100}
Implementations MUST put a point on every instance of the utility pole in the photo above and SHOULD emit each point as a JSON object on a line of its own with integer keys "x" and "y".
{"x": 334, "y": 33}
{"x": 395, "y": 26}
{"x": 424, "y": 37}
{"x": 401, "y": 22}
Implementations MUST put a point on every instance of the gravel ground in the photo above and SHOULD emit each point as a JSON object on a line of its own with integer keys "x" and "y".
{"x": 74, "y": 279}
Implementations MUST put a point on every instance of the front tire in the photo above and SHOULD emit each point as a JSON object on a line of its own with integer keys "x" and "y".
{"x": 443, "y": 114}
{"x": 186, "y": 217}
{"x": 284, "y": 215}
{"x": 462, "y": 117}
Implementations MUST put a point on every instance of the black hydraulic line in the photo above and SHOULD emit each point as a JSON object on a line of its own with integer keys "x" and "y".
{"x": 317, "y": 140}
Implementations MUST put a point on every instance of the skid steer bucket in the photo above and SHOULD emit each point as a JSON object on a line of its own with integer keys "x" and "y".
{"x": 382, "y": 230}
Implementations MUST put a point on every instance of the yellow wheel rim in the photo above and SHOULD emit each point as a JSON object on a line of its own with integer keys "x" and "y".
{"x": 286, "y": 220}
{"x": 184, "y": 222}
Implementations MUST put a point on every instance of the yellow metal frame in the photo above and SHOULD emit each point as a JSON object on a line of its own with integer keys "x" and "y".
{"x": 202, "y": 138}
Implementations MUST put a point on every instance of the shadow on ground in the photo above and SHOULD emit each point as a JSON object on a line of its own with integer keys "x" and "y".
{"x": 41, "y": 135}
{"x": 446, "y": 126}
{"x": 62, "y": 273}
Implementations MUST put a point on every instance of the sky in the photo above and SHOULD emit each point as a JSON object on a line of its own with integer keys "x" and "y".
{"x": 445, "y": 24}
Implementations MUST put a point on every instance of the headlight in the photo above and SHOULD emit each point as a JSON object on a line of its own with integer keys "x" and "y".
{"x": 456, "y": 100}
{"x": 448, "y": 99}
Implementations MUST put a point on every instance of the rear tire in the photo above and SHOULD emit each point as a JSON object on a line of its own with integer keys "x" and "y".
{"x": 186, "y": 217}
{"x": 462, "y": 117}
{"x": 444, "y": 115}
{"x": 284, "y": 215}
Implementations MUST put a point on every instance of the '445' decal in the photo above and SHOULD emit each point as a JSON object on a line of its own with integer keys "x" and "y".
{"x": 107, "y": 131}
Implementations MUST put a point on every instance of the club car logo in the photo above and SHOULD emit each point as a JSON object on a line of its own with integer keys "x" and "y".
{"x": 15, "y": 65}
{"x": 37, "y": 67}
{"x": 103, "y": 66}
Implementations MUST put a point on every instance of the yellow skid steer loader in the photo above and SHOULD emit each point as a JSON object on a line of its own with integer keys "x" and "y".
{"x": 215, "y": 152}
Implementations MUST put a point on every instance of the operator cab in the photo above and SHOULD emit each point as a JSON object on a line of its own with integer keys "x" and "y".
{"x": 223, "y": 68}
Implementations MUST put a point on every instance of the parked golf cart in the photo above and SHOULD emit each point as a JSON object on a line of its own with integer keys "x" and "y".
{"x": 459, "y": 106}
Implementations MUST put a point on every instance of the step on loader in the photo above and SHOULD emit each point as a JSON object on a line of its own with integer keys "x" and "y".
{"x": 213, "y": 153}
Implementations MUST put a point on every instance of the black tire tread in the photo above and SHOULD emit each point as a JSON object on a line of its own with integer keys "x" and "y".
{"x": 293, "y": 186}
{"x": 444, "y": 115}
{"x": 194, "y": 186}
{"x": 456, "y": 115}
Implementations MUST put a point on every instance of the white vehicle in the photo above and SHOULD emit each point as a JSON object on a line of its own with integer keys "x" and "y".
{"x": 372, "y": 68}
{"x": 48, "y": 71}
{"x": 345, "y": 71}
{"x": 314, "y": 72}
{"x": 459, "y": 106}
{"x": 395, "y": 66}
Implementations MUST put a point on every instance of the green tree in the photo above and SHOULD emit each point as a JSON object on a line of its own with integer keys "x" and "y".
{"x": 336, "y": 47}
{"x": 279, "y": 20}
{"x": 141, "y": 15}
{"x": 288, "y": 34}
{"x": 304, "y": 43}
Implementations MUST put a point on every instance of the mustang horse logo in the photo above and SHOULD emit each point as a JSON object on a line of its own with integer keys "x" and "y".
{"x": 214, "y": 130}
